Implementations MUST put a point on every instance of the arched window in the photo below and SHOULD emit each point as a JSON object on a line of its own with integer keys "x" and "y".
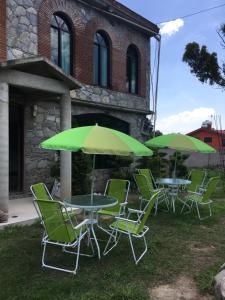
{"x": 101, "y": 62}
{"x": 61, "y": 43}
{"x": 132, "y": 70}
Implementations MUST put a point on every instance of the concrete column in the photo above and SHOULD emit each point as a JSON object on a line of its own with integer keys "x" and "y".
{"x": 4, "y": 151}
{"x": 65, "y": 156}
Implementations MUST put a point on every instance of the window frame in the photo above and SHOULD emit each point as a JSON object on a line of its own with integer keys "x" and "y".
{"x": 130, "y": 57}
{"x": 208, "y": 139}
{"x": 59, "y": 34}
{"x": 99, "y": 63}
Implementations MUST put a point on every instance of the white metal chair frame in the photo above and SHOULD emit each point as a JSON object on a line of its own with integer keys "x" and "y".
{"x": 76, "y": 243}
{"x": 193, "y": 201}
{"x": 114, "y": 237}
{"x": 197, "y": 206}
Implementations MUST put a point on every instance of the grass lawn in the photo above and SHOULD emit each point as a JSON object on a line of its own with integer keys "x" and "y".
{"x": 179, "y": 245}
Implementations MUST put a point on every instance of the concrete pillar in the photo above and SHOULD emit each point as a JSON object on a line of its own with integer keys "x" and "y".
{"x": 4, "y": 151}
{"x": 65, "y": 156}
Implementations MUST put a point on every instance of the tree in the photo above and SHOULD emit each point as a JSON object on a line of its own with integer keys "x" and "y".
{"x": 203, "y": 64}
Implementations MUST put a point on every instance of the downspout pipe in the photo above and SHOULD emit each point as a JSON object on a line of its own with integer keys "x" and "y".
{"x": 157, "y": 85}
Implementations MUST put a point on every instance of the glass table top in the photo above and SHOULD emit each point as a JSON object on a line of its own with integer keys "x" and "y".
{"x": 173, "y": 181}
{"x": 84, "y": 201}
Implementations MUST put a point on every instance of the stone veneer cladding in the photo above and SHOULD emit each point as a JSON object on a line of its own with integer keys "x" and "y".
{"x": 3, "y": 53}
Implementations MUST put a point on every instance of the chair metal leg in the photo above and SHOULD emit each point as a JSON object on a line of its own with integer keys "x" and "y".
{"x": 78, "y": 255}
{"x": 50, "y": 266}
{"x": 156, "y": 206}
{"x": 112, "y": 236}
{"x": 67, "y": 251}
{"x": 210, "y": 211}
{"x": 133, "y": 252}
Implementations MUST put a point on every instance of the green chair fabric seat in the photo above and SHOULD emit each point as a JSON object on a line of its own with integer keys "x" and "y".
{"x": 119, "y": 189}
{"x": 146, "y": 189}
{"x": 202, "y": 198}
{"x": 40, "y": 191}
{"x": 148, "y": 174}
{"x": 197, "y": 178}
{"x": 136, "y": 229}
{"x": 60, "y": 230}
{"x": 125, "y": 225}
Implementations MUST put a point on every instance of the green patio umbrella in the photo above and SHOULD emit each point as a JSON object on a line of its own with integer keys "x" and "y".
{"x": 96, "y": 140}
{"x": 179, "y": 142}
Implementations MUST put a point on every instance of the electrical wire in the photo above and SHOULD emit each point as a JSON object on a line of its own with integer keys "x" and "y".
{"x": 195, "y": 13}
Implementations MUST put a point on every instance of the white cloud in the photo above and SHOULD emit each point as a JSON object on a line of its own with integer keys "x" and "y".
{"x": 185, "y": 121}
{"x": 170, "y": 28}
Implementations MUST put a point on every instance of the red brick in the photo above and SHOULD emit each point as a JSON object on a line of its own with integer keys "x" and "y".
{"x": 119, "y": 33}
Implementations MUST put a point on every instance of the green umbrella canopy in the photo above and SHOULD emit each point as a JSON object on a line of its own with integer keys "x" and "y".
{"x": 96, "y": 140}
{"x": 179, "y": 142}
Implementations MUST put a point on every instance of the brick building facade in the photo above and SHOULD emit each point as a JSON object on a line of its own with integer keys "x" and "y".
{"x": 27, "y": 47}
{"x": 206, "y": 133}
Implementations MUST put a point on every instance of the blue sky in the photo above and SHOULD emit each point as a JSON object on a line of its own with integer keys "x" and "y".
{"x": 183, "y": 101}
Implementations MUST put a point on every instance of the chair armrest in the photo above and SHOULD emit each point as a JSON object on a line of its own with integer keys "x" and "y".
{"x": 195, "y": 193}
{"x": 131, "y": 210}
{"x": 85, "y": 222}
{"x": 127, "y": 220}
{"x": 123, "y": 204}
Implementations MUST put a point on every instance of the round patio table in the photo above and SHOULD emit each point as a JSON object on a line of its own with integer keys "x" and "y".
{"x": 91, "y": 205}
{"x": 174, "y": 184}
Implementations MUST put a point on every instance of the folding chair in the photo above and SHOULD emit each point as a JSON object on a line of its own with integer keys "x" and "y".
{"x": 40, "y": 191}
{"x": 197, "y": 178}
{"x": 134, "y": 229}
{"x": 119, "y": 189}
{"x": 202, "y": 198}
{"x": 146, "y": 191}
{"x": 60, "y": 231}
{"x": 148, "y": 174}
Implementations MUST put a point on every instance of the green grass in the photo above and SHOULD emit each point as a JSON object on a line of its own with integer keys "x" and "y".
{"x": 178, "y": 245}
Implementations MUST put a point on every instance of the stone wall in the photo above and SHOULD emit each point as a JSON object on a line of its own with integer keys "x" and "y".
{"x": 42, "y": 120}
{"x": 46, "y": 123}
{"x": 3, "y": 52}
{"x": 22, "y": 38}
{"x": 109, "y": 97}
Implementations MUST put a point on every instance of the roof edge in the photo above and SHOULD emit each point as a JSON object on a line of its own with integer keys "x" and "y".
{"x": 116, "y": 9}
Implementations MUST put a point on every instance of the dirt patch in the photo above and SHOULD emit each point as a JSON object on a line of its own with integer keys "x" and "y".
{"x": 183, "y": 289}
{"x": 198, "y": 248}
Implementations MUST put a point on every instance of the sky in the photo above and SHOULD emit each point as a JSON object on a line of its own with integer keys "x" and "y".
{"x": 183, "y": 101}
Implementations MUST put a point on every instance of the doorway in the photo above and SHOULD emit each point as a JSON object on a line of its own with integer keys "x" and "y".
{"x": 16, "y": 140}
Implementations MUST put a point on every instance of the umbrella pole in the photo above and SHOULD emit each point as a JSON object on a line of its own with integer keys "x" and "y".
{"x": 92, "y": 180}
{"x": 175, "y": 166}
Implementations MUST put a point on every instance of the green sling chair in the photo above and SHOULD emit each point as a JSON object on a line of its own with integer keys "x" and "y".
{"x": 60, "y": 231}
{"x": 197, "y": 178}
{"x": 119, "y": 189}
{"x": 40, "y": 191}
{"x": 146, "y": 188}
{"x": 132, "y": 228}
{"x": 202, "y": 198}
{"x": 148, "y": 174}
